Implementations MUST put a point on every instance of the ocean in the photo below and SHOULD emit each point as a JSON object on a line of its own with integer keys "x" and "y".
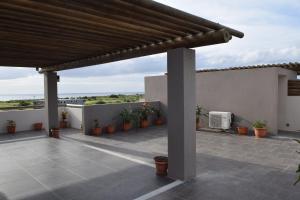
{"x": 62, "y": 95}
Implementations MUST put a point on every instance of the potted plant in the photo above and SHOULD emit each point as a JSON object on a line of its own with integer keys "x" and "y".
{"x": 159, "y": 119}
{"x": 298, "y": 170}
{"x": 126, "y": 116}
{"x": 242, "y": 130}
{"x": 199, "y": 113}
{"x": 260, "y": 129}
{"x": 110, "y": 128}
{"x": 11, "y": 126}
{"x": 161, "y": 163}
{"x": 54, "y": 132}
{"x": 144, "y": 113}
{"x": 38, "y": 126}
{"x": 64, "y": 123}
{"x": 97, "y": 130}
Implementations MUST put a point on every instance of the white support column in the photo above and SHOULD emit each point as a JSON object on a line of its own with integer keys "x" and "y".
{"x": 181, "y": 114}
{"x": 51, "y": 106}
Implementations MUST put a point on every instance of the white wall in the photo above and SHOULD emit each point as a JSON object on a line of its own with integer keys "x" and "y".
{"x": 74, "y": 115}
{"x": 251, "y": 94}
{"x": 23, "y": 118}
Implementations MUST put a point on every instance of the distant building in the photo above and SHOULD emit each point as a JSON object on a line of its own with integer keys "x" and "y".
{"x": 62, "y": 102}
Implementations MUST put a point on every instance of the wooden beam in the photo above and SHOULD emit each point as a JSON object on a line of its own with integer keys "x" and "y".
{"x": 214, "y": 37}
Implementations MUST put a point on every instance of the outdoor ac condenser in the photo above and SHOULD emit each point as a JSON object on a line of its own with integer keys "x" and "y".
{"x": 220, "y": 120}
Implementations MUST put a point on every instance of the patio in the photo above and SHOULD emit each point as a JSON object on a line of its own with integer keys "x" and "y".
{"x": 120, "y": 166}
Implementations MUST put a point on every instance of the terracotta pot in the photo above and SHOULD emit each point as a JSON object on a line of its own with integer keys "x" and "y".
{"x": 242, "y": 130}
{"x": 127, "y": 126}
{"x": 63, "y": 124}
{"x": 144, "y": 123}
{"x": 11, "y": 129}
{"x": 159, "y": 121}
{"x": 110, "y": 129}
{"x": 260, "y": 132}
{"x": 97, "y": 131}
{"x": 54, "y": 133}
{"x": 198, "y": 125}
{"x": 161, "y": 163}
{"x": 38, "y": 126}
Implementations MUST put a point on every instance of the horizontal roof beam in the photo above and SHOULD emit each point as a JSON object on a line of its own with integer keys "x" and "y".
{"x": 201, "y": 39}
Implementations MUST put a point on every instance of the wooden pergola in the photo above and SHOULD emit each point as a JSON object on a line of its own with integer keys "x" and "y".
{"x": 54, "y": 35}
{"x": 57, "y": 35}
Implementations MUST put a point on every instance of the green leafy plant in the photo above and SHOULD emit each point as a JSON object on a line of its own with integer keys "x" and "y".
{"x": 259, "y": 124}
{"x": 11, "y": 123}
{"x": 199, "y": 113}
{"x": 298, "y": 170}
{"x": 158, "y": 113}
{"x": 96, "y": 123}
{"x": 64, "y": 115}
{"x": 145, "y": 111}
{"x": 126, "y": 115}
{"x": 24, "y": 103}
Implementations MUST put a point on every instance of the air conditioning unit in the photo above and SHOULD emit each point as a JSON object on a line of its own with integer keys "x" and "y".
{"x": 220, "y": 120}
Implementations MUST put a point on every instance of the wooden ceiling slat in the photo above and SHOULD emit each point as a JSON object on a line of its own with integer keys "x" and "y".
{"x": 55, "y": 35}
{"x": 79, "y": 17}
{"x": 26, "y": 19}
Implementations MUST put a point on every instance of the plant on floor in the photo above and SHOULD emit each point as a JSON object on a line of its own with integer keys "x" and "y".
{"x": 97, "y": 130}
{"x": 11, "y": 126}
{"x": 161, "y": 163}
{"x": 38, "y": 126}
{"x": 199, "y": 113}
{"x": 298, "y": 170}
{"x": 159, "y": 118}
{"x": 54, "y": 132}
{"x": 111, "y": 127}
{"x": 144, "y": 113}
{"x": 126, "y": 116}
{"x": 64, "y": 123}
{"x": 260, "y": 128}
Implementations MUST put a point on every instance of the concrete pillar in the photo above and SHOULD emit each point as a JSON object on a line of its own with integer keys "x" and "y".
{"x": 51, "y": 106}
{"x": 181, "y": 114}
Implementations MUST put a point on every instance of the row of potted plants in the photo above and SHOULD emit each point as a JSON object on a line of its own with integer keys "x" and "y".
{"x": 11, "y": 126}
{"x": 131, "y": 118}
{"x": 259, "y": 127}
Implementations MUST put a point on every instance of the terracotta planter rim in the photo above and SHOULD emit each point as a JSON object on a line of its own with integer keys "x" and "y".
{"x": 260, "y": 128}
{"x": 161, "y": 159}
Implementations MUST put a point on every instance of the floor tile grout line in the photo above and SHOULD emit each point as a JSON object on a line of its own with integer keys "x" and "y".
{"x": 160, "y": 190}
{"x": 22, "y": 139}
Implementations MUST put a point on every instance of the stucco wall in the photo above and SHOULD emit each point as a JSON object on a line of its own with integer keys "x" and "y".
{"x": 251, "y": 94}
{"x": 106, "y": 113}
{"x": 23, "y": 118}
{"x": 74, "y": 115}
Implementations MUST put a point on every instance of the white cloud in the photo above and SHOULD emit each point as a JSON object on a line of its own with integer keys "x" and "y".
{"x": 271, "y": 28}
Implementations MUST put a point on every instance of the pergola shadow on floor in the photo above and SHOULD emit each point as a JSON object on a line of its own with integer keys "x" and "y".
{"x": 120, "y": 166}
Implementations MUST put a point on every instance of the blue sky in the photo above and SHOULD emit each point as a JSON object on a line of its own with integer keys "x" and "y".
{"x": 271, "y": 27}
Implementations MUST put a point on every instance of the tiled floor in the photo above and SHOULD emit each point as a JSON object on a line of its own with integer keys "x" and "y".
{"x": 46, "y": 168}
{"x": 228, "y": 167}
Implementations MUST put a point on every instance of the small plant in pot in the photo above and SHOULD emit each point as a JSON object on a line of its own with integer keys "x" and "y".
{"x": 260, "y": 129}
{"x": 144, "y": 113}
{"x": 54, "y": 132}
{"x": 298, "y": 170}
{"x": 199, "y": 113}
{"x": 38, "y": 126}
{"x": 126, "y": 117}
{"x": 159, "y": 119}
{"x": 64, "y": 123}
{"x": 161, "y": 163}
{"x": 242, "y": 130}
{"x": 97, "y": 130}
{"x": 11, "y": 126}
{"x": 111, "y": 128}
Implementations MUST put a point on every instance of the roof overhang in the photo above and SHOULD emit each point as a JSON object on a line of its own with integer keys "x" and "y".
{"x": 57, "y": 35}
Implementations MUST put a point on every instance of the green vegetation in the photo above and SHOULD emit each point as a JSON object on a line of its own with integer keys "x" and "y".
{"x": 113, "y": 99}
{"x": 93, "y": 100}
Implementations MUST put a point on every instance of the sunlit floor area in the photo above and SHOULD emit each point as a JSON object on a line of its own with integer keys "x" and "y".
{"x": 120, "y": 166}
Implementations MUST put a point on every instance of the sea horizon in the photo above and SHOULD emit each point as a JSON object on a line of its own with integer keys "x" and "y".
{"x": 8, "y": 97}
